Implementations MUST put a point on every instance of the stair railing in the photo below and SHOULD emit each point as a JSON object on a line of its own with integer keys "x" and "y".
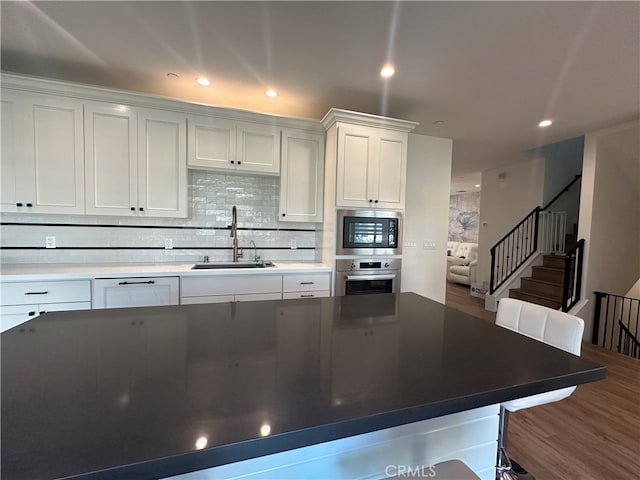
{"x": 615, "y": 323}
{"x": 553, "y": 230}
{"x": 572, "y": 285}
{"x": 517, "y": 246}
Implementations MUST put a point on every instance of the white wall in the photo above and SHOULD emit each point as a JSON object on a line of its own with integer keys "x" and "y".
{"x": 610, "y": 213}
{"x": 427, "y": 216}
{"x": 508, "y": 194}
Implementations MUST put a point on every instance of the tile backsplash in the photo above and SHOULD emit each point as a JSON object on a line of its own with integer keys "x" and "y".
{"x": 108, "y": 239}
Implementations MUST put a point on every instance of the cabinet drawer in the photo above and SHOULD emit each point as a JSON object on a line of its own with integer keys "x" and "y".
{"x": 206, "y": 299}
{"x": 45, "y": 292}
{"x": 309, "y": 294}
{"x": 230, "y": 285}
{"x": 305, "y": 282}
{"x": 135, "y": 292}
{"x": 12, "y": 315}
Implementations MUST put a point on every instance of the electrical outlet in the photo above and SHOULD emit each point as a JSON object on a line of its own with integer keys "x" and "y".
{"x": 294, "y": 244}
{"x": 168, "y": 243}
{"x": 410, "y": 244}
{"x": 50, "y": 242}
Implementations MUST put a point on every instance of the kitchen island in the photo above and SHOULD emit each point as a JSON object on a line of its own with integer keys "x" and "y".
{"x": 319, "y": 386}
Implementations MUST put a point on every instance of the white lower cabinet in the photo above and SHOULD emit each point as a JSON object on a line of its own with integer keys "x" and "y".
{"x": 135, "y": 292}
{"x": 306, "y": 285}
{"x": 227, "y": 288}
{"x": 22, "y": 301}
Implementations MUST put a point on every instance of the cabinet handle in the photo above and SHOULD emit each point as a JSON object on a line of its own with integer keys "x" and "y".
{"x": 307, "y": 283}
{"x": 35, "y": 293}
{"x": 142, "y": 209}
{"x": 284, "y": 214}
{"x": 133, "y": 209}
{"x": 19, "y": 204}
{"x": 370, "y": 201}
{"x": 29, "y": 204}
{"x": 239, "y": 162}
{"x": 306, "y": 296}
{"x": 149, "y": 282}
{"x": 31, "y": 314}
{"x": 375, "y": 201}
{"x": 232, "y": 162}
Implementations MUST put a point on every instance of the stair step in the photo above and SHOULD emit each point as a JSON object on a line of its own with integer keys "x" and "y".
{"x": 540, "y": 287}
{"x": 538, "y": 299}
{"x": 553, "y": 261}
{"x": 548, "y": 274}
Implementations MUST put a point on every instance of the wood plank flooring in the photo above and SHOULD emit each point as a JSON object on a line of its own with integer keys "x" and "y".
{"x": 592, "y": 435}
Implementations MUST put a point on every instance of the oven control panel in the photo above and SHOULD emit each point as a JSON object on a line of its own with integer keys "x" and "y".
{"x": 345, "y": 265}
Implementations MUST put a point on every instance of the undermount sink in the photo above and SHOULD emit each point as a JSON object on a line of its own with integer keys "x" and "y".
{"x": 214, "y": 266}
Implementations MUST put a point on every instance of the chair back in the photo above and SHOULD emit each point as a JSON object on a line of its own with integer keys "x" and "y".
{"x": 544, "y": 324}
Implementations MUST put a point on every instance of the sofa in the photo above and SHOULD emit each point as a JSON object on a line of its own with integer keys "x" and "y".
{"x": 462, "y": 262}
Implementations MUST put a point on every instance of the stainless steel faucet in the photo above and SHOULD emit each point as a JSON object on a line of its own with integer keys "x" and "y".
{"x": 256, "y": 258}
{"x": 234, "y": 234}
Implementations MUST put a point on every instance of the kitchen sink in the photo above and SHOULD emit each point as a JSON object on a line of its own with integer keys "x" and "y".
{"x": 215, "y": 266}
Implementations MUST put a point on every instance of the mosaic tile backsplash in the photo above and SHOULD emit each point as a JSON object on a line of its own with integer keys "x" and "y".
{"x": 108, "y": 239}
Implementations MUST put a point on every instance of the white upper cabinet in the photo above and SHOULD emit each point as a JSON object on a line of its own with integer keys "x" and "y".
{"x": 135, "y": 161}
{"x": 371, "y": 159}
{"x": 301, "y": 178}
{"x": 111, "y": 159}
{"x": 242, "y": 147}
{"x": 42, "y": 154}
{"x": 162, "y": 163}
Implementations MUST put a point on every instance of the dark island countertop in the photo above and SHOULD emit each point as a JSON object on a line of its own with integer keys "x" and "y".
{"x": 158, "y": 391}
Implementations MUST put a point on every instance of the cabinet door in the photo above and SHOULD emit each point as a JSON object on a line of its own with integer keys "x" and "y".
{"x": 162, "y": 165}
{"x": 13, "y": 315}
{"x": 301, "y": 177}
{"x": 111, "y": 160}
{"x": 355, "y": 149}
{"x": 53, "y": 134}
{"x": 18, "y": 186}
{"x": 258, "y": 148}
{"x": 211, "y": 142}
{"x": 390, "y": 170}
{"x": 135, "y": 292}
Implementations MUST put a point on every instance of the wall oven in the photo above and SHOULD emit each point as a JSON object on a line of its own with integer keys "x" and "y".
{"x": 362, "y": 276}
{"x": 369, "y": 232}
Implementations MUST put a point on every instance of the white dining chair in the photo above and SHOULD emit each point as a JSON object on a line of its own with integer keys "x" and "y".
{"x": 553, "y": 327}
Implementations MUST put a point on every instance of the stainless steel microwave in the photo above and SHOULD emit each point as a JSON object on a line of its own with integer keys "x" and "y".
{"x": 369, "y": 232}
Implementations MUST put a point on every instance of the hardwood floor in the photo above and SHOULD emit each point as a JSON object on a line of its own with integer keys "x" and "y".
{"x": 592, "y": 435}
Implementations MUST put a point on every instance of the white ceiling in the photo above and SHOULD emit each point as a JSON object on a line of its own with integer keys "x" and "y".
{"x": 489, "y": 70}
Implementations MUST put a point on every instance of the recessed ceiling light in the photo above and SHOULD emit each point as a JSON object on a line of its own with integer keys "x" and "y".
{"x": 477, "y": 185}
{"x": 271, "y": 93}
{"x": 545, "y": 123}
{"x": 387, "y": 71}
{"x": 203, "y": 81}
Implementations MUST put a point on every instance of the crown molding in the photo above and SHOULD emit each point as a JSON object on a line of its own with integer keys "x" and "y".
{"x": 336, "y": 115}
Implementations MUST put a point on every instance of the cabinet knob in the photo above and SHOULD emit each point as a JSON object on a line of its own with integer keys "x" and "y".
{"x": 232, "y": 162}
{"x": 19, "y": 204}
{"x": 370, "y": 201}
{"x": 284, "y": 214}
{"x": 29, "y": 204}
{"x": 239, "y": 162}
{"x": 133, "y": 209}
{"x": 142, "y": 209}
{"x": 375, "y": 201}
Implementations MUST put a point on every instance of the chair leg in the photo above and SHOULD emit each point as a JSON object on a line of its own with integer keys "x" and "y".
{"x": 505, "y": 470}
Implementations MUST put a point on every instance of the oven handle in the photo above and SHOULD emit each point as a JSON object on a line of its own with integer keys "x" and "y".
{"x": 370, "y": 277}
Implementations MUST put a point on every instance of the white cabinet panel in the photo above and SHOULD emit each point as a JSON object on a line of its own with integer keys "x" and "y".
{"x": 305, "y": 282}
{"x": 249, "y": 297}
{"x": 306, "y": 294}
{"x": 162, "y": 165}
{"x": 371, "y": 167}
{"x": 211, "y": 142}
{"x": 111, "y": 161}
{"x": 258, "y": 148}
{"x": 219, "y": 144}
{"x": 135, "y": 292}
{"x": 18, "y": 293}
{"x": 230, "y": 285}
{"x": 43, "y": 171}
{"x": 301, "y": 177}
{"x": 207, "y": 299}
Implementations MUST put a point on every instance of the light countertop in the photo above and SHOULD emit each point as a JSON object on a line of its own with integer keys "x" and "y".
{"x": 61, "y": 271}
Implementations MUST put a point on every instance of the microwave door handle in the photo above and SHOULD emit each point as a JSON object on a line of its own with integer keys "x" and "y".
{"x": 370, "y": 277}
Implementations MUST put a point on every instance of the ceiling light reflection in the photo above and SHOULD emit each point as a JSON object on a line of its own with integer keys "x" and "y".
{"x": 271, "y": 93}
{"x": 201, "y": 442}
{"x": 387, "y": 71}
{"x": 545, "y": 123}
{"x": 203, "y": 81}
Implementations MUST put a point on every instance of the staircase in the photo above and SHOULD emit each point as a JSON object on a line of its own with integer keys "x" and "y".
{"x": 544, "y": 287}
